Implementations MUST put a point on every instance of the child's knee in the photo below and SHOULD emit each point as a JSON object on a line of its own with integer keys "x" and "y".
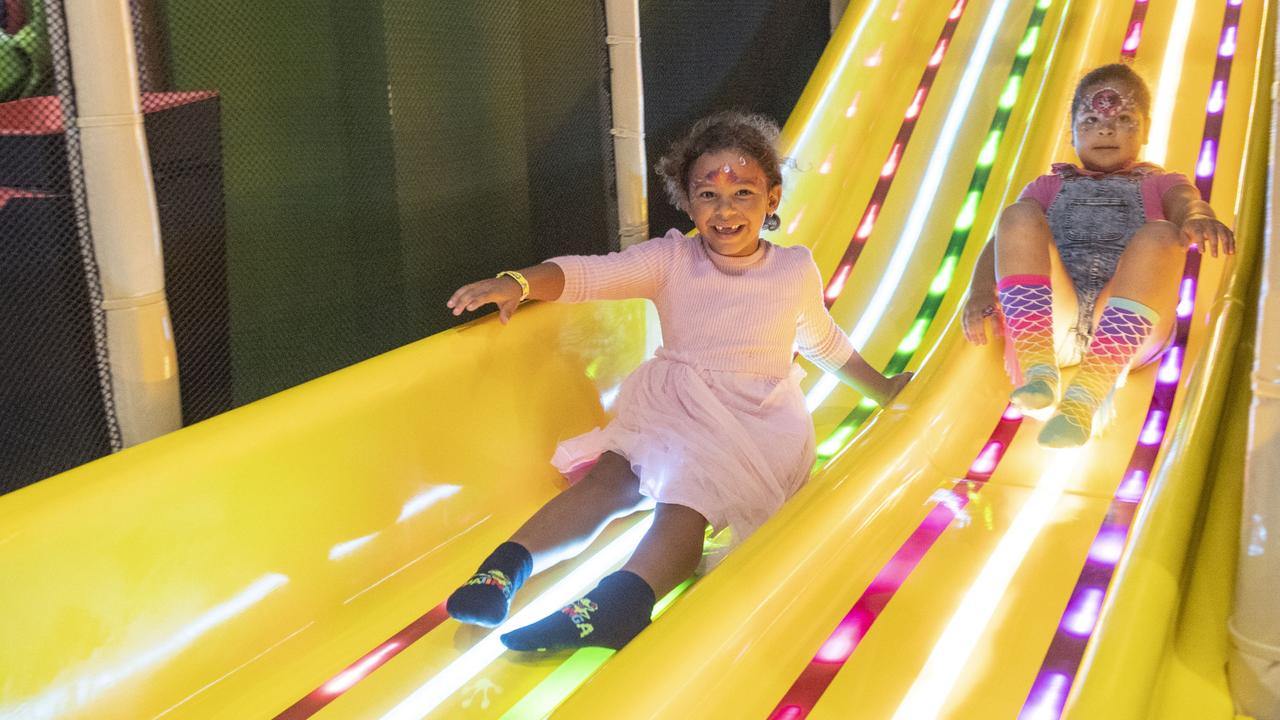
{"x": 1022, "y": 217}
{"x": 1160, "y": 234}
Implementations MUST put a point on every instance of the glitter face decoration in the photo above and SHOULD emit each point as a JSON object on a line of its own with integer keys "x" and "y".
{"x": 726, "y": 171}
{"x": 1106, "y": 104}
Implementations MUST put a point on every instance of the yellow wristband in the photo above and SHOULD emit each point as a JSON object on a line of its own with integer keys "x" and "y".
{"x": 524, "y": 284}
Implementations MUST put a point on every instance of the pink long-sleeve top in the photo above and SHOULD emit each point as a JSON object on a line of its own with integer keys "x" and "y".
{"x": 735, "y": 314}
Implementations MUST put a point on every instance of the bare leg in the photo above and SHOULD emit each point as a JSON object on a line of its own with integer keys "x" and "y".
{"x": 1022, "y": 241}
{"x": 671, "y": 549}
{"x": 1149, "y": 272}
{"x": 571, "y": 520}
{"x": 1136, "y": 318}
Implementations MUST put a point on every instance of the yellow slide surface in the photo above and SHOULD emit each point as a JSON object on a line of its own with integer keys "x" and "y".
{"x": 288, "y": 558}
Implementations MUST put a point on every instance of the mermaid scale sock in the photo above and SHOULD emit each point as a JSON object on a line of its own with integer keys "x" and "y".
{"x": 485, "y": 598}
{"x": 1123, "y": 327}
{"x": 1027, "y": 302}
{"x": 609, "y": 616}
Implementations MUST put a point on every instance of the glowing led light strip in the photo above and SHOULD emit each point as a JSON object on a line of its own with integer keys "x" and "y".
{"x": 892, "y": 275}
{"x": 949, "y": 658}
{"x": 1048, "y": 695}
{"x": 1170, "y": 78}
{"x": 813, "y": 681}
{"x": 435, "y": 691}
{"x": 945, "y": 274}
{"x": 890, "y": 169}
{"x": 1133, "y": 36}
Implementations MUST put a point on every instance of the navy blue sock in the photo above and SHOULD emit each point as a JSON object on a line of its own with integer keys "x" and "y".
{"x": 609, "y": 616}
{"x": 486, "y": 597}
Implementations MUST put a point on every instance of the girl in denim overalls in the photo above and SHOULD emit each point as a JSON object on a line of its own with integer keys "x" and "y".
{"x": 1111, "y": 235}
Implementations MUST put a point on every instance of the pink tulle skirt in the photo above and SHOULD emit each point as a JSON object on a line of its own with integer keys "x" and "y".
{"x": 732, "y": 446}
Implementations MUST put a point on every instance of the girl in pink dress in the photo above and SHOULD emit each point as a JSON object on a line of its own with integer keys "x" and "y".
{"x": 713, "y": 430}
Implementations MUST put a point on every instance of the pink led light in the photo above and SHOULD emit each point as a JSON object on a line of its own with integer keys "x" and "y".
{"x": 955, "y": 11}
{"x": 1153, "y": 432}
{"x": 891, "y": 165}
{"x": 841, "y": 643}
{"x": 987, "y": 459}
{"x": 1228, "y": 46}
{"x": 938, "y": 53}
{"x": 864, "y": 231}
{"x": 1082, "y": 615}
{"x": 837, "y": 283}
{"x": 1134, "y": 38}
{"x": 1133, "y": 486}
{"x": 876, "y": 57}
{"x": 790, "y": 712}
{"x": 356, "y": 673}
{"x": 1217, "y": 98}
{"x": 1204, "y": 168}
{"x": 916, "y": 102}
{"x": 1108, "y": 545}
{"x": 1012, "y": 413}
{"x": 1171, "y": 367}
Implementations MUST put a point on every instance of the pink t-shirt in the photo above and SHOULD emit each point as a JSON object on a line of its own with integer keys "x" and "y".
{"x": 1155, "y": 182}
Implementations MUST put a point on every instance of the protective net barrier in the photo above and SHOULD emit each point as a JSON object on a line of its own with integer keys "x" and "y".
{"x": 326, "y": 173}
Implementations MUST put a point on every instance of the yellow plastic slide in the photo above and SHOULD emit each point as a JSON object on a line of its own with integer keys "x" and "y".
{"x": 288, "y": 559}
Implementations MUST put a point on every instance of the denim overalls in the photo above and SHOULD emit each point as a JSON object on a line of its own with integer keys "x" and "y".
{"x": 1092, "y": 220}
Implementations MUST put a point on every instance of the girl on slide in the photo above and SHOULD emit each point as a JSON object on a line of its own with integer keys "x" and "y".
{"x": 713, "y": 430}
{"x": 1085, "y": 266}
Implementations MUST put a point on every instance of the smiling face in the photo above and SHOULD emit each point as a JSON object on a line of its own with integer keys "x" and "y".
{"x": 1108, "y": 128}
{"x": 729, "y": 197}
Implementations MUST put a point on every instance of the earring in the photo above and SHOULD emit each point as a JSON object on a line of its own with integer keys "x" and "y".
{"x": 772, "y": 221}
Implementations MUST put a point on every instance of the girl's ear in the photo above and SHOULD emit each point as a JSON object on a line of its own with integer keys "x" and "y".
{"x": 775, "y": 197}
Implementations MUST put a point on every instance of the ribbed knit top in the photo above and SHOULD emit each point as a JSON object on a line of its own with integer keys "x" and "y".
{"x": 736, "y": 314}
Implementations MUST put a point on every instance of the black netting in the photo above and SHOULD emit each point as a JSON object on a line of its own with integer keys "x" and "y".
{"x": 373, "y": 156}
{"x": 700, "y": 57}
{"x": 55, "y": 403}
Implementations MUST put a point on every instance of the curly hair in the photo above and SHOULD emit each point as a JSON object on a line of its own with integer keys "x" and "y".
{"x": 1119, "y": 73}
{"x": 747, "y": 133}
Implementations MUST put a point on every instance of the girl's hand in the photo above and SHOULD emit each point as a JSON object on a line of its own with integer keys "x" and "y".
{"x": 1209, "y": 233}
{"x": 503, "y": 292}
{"x": 978, "y": 308}
{"x": 895, "y": 385}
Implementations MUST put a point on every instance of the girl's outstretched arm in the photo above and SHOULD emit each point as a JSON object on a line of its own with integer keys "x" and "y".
{"x": 981, "y": 303}
{"x": 858, "y": 374}
{"x": 546, "y": 282}
{"x": 1184, "y": 208}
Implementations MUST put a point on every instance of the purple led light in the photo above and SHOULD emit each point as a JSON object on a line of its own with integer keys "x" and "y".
{"x": 1153, "y": 431}
{"x": 1135, "y": 37}
{"x": 1171, "y": 366}
{"x": 1204, "y": 168}
{"x": 1082, "y": 615}
{"x": 841, "y": 643}
{"x": 1048, "y": 695}
{"x": 1228, "y": 46}
{"x": 1218, "y": 97}
{"x": 1108, "y": 545}
{"x": 1186, "y": 298}
{"x": 1133, "y": 486}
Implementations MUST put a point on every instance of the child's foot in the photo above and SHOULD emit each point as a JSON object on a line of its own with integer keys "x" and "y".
{"x": 1064, "y": 431}
{"x": 609, "y": 616}
{"x": 1039, "y": 392}
{"x": 485, "y": 599}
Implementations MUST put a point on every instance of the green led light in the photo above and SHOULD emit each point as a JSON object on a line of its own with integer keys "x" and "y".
{"x": 942, "y": 280}
{"x": 868, "y": 404}
{"x": 582, "y": 664}
{"x": 988, "y": 154}
{"x": 1028, "y": 45}
{"x": 832, "y": 445}
{"x": 1044, "y": 4}
{"x": 969, "y": 212}
{"x": 1010, "y": 94}
{"x": 593, "y": 368}
{"x": 912, "y": 341}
